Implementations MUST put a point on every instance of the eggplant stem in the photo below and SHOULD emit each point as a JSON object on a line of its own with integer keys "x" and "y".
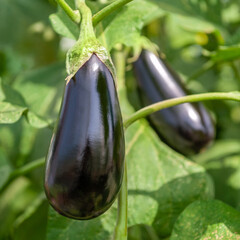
{"x": 120, "y": 232}
{"x": 144, "y": 112}
{"x": 99, "y": 16}
{"x": 74, "y": 15}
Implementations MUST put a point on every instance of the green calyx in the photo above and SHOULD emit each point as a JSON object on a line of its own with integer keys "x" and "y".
{"x": 143, "y": 43}
{"x": 86, "y": 45}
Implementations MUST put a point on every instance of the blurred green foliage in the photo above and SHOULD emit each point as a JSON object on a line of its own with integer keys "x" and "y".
{"x": 200, "y": 39}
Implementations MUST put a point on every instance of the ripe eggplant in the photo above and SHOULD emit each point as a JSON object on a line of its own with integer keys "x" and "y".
{"x": 188, "y": 128}
{"x": 85, "y": 162}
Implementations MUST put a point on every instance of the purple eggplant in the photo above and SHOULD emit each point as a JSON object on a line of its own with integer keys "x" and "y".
{"x": 85, "y": 161}
{"x": 187, "y": 128}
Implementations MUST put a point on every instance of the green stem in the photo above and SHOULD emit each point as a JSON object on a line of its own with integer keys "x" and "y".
{"x": 86, "y": 27}
{"x": 120, "y": 232}
{"x": 108, "y": 10}
{"x": 74, "y": 15}
{"x": 176, "y": 101}
{"x": 23, "y": 171}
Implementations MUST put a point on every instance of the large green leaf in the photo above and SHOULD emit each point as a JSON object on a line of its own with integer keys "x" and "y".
{"x": 207, "y": 220}
{"x": 124, "y": 26}
{"x": 10, "y": 113}
{"x": 42, "y": 90}
{"x": 142, "y": 232}
{"x": 161, "y": 184}
{"x": 13, "y": 107}
{"x": 61, "y": 228}
{"x": 222, "y": 162}
{"x": 63, "y": 25}
{"x": 206, "y": 10}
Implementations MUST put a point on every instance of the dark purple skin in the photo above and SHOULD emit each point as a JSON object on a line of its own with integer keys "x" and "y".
{"x": 85, "y": 162}
{"x": 188, "y": 128}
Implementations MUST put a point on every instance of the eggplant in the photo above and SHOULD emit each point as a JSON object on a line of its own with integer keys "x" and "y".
{"x": 188, "y": 128}
{"x": 85, "y": 161}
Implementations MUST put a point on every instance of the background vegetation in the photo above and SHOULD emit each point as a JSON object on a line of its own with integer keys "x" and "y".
{"x": 175, "y": 197}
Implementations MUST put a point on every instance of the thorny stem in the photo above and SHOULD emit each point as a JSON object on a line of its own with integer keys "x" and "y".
{"x": 108, "y": 10}
{"x": 73, "y": 14}
{"x": 176, "y": 101}
{"x": 120, "y": 232}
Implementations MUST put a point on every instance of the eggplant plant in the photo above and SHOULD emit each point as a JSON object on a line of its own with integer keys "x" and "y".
{"x": 99, "y": 136}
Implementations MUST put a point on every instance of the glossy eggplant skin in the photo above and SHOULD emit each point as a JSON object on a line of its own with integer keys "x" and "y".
{"x": 85, "y": 162}
{"x": 188, "y": 128}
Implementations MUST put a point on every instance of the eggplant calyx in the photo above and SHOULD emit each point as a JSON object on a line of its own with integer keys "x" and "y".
{"x": 86, "y": 46}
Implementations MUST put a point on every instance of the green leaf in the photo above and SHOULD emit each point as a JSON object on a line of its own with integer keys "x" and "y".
{"x": 63, "y": 25}
{"x": 12, "y": 105}
{"x": 142, "y": 232}
{"x": 62, "y": 228}
{"x": 226, "y": 54}
{"x": 10, "y": 113}
{"x": 13, "y": 99}
{"x": 36, "y": 121}
{"x": 223, "y": 159}
{"x": 124, "y": 26}
{"x": 206, "y": 10}
{"x": 161, "y": 184}
{"x": 207, "y": 220}
{"x": 8, "y": 94}
{"x": 42, "y": 90}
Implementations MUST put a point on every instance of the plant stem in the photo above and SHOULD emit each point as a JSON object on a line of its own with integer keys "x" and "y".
{"x": 23, "y": 171}
{"x": 120, "y": 232}
{"x": 176, "y": 101}
{"x": 86, "y": 27}
{"x": 108, "y": 10}
{"x": 28, "y": 168}
{"x": 73, "y": 14}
